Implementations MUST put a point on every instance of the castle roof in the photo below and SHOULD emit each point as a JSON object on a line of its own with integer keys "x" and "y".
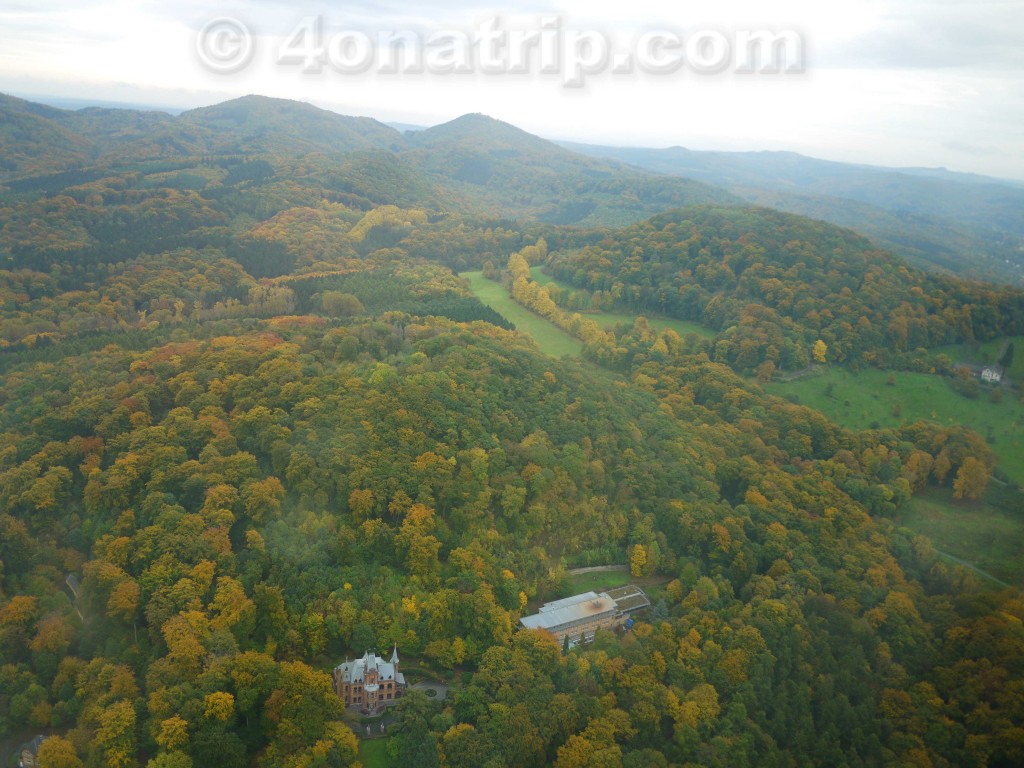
{"x": 357, "y": 671}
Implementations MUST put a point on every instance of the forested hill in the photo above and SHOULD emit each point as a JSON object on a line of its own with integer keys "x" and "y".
{"x": 261, "y": 124}
{"x": 775, "y": 283}
{"x": 951, "y": 222}
{"x": 248, "y": 404}
{"x": 474, "y": 163}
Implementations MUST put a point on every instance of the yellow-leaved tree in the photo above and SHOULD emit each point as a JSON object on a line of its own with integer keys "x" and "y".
{"x": 971, "y": 479}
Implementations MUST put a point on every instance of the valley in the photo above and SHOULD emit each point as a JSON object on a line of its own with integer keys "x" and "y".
{"x": 283, "y": 388}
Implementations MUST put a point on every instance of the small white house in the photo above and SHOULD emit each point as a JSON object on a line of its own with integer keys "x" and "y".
{"x": 992, "y": 374}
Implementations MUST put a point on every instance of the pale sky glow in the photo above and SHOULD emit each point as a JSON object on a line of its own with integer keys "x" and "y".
{"x": 889, "y": 82}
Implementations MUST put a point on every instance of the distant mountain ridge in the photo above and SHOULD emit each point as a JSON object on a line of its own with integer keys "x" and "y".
{"x": 474, "y": 163}
{"x": 260, "y": 123}
{"x": 957, "y": 223}
{"x": 961, "y": 223}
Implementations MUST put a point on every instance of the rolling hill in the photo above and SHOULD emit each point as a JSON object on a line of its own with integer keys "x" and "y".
{"x": 472, "y": 164}
{"x": 516, "y": 173}
{"x": 262, "y": 124}
{"x": 250, "y": 407}
{"x": 32, "y": 141}
{"x": 960, "y": 223}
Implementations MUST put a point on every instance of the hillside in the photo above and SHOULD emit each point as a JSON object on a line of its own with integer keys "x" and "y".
{"x": 261, "y": 124}
{"x": 32, "y": 142}
{"x": 515, "y": 173}
{"x": 961, "y": 223}
{"x": 775, "y": 283}
{"x": 254, "y": 424}
{"x": 472, "y": 164}
{"x": 476, "y": 164}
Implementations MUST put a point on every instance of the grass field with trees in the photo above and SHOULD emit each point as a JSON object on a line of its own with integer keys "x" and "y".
{"x": 866, "y": 400}
{"x": 988, "y": 533}
{"x": 551, "y": 339}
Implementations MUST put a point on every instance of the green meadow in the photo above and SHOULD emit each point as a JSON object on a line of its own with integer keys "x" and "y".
{"x": 597, "y": 581}
{"x": 988, "y": 534}
{"x": 988, "y": 352}
{"x": 866, "y": 400}
{"x": 551, "y": 339}
{"x": 373, "y": 753}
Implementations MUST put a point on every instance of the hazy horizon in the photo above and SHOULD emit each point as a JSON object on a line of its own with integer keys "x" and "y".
{"x": 893, "y": 83}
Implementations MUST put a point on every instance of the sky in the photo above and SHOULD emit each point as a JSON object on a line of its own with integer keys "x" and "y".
{"x": 934, "y": 83}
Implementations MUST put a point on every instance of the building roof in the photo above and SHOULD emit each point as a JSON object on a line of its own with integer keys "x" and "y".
{"x": 355, "y": 671}
{"x": 30, "y": 752}
{"x": 567, "y": 601}
{"x": 588, "y": 605}
{"x": 599, "y": 605}
{"x": 629, "y": 598}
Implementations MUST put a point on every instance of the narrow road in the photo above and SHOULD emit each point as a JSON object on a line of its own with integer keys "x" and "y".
{"x": 596, "y": 569}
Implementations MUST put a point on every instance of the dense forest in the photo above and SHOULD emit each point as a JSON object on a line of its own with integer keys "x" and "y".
{"x": 253, "y": 423}
{"x": 774, "y": 283}
{"x": 954, "y": 223}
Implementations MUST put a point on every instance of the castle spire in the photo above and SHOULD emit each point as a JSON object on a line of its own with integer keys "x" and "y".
{"x": 394, "y": 655}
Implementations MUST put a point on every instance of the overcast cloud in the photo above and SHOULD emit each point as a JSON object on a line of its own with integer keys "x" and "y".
{"x": 892, "y": 82}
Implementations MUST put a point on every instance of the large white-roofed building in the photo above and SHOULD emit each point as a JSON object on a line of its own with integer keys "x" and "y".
{"x": 580, "y": 616}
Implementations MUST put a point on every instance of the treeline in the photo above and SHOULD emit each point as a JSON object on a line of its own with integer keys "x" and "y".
{"x": 425, "y": 291}
{"x": 773, "y": 284}
{"x": 39, "y": 310}
{"x": 537, "y": 298}
{"x": 240, "y": 505}
{"x": 958, "y": 455}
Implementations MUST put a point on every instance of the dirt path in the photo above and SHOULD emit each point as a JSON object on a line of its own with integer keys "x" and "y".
{"x": 597, "y": 569}
{"x": 976, "y": 569}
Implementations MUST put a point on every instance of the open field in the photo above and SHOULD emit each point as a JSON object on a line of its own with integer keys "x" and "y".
{"x": 988, "y": 352}
{"x": 373, "y": 753}
{"x": 864, "y": 400}
{"x": 988, "y": 534}
{"x": 597, "y": 581}
{"x": 682, "y": 327}
{"x": 551, "y": 339}
{"x": 541, "y": 278}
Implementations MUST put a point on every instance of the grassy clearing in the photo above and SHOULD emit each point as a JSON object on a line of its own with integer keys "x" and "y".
{"x": 551, "y": 339}
{"x": 864, "y": 400}
{"x": 373, "y": 753}
{"x": 598, "y": 581}
{"x": 989, "y": 352}
{"x": 989, "y": 533}
{"x": 541, "y": 278}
